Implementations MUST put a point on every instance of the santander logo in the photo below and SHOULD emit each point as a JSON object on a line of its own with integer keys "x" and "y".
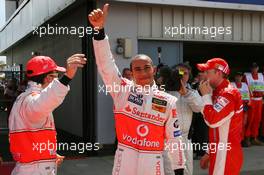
{"x": 145, "y": 115}
{"x": 128, "y": 109}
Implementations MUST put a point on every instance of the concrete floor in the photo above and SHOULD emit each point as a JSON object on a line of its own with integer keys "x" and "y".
{"x": 253, "y": 164}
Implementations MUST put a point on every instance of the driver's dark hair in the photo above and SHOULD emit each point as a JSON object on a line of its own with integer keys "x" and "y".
{"x": 38, "y": 78}
{"x": 138, "y": 56}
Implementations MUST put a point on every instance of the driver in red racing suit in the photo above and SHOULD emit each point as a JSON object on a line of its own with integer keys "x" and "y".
{"x": 223, "y": 113}
{"x": 145, "y": 117}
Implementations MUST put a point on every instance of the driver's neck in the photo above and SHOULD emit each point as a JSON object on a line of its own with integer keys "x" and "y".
{"x": 146, "y": 85}
{"x": 44, "y": 85}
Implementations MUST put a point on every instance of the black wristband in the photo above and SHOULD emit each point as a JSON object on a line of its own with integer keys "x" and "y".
{"x": 100, "y": 35}
{"x": 179, "y": 172}
{"x": 65, "y": 80}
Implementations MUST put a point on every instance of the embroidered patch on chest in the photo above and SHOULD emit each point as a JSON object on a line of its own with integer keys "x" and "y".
{"x": 159, "y": 102}
{"x": 159, "y": 108}
{"x": 136, "y": 99}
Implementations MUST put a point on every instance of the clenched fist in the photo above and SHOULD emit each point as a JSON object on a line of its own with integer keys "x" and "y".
{"x": 75, "y": 61}
{"x": 205, "y": 87}
{"x": 98, "y": 17}
{"x": 59, "y": 160}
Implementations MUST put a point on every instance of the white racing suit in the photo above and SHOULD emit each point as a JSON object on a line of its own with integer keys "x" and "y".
{"x": 186, "y": 105}
{"x": 31, "y": 124}
{"x": 143, "y": 119}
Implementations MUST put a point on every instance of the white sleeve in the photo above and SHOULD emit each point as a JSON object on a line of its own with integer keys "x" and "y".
{"x": 106, "y": 64}
{"x": 39, "y": 106}
{"x": 174, "y": 139}
{"x": 194, "y": 100}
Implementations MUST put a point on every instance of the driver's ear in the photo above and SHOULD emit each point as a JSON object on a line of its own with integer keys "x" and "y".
{"x": 48, "y": 79}
{"x": 220, "y": 73}
{"x": 45, "y": 80}
{"x": 154, "y": 70}
{"x": 132, "y": 73}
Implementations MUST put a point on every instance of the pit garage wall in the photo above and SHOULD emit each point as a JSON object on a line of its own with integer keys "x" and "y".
{"x": 247, "y": 26}
{"x": 69, "y": 115}
{"x": 30, "y": 14}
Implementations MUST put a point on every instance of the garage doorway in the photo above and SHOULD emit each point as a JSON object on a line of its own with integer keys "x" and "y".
{"x": 239, "y": 56}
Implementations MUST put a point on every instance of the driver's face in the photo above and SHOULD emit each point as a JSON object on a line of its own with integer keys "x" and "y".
{"x": 202, "y": 76}
{"x": 213, "y": 76}
{"x": 143, "y": 72}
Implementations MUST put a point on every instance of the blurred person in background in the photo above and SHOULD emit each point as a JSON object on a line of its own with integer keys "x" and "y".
{"x": 262, "y": 123}
{"x": 126, "y": 73}
{"x": 22, "y": 87}
{"x": 255, "y": 82}
{"x": 10, "y": 94}
{"x": 1, "y": 160}
{"x": 199, "y": 127}
{"x": 189, "y": 101}
{"x": 244, "y": 90}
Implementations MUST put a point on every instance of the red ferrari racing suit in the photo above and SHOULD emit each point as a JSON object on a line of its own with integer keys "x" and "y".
{"x": 223, "y": 113}
{"x": 145, "y": 121}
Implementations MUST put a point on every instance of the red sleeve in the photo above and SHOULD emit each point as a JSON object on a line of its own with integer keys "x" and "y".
{"x": 219, "y": 112}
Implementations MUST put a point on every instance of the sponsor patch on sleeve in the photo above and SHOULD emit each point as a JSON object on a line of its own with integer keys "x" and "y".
{"x": 177, "y": 133}
{"x": 222, "y": 101}
{"x": 218, "y": 107}
{"x": 176, "y": 124}
{"x": 173, "y": 113}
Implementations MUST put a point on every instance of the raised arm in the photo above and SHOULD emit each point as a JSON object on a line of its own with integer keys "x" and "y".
{"x": 38, "y": 105}
{"x": 104, "y": 59}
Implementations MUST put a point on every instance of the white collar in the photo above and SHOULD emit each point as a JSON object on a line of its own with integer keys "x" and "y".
{"x": 34, "y": 86}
